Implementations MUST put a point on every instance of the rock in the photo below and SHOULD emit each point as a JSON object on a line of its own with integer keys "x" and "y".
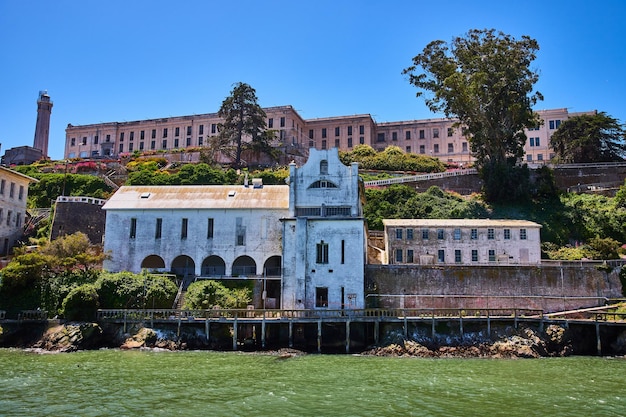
{"x": 70, "y": 337}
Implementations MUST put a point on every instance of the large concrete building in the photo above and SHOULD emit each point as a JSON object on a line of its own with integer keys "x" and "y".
{"x": 13, "y": 194}
{"x": 433, "y": 137}
{"x": 305, "y": 240}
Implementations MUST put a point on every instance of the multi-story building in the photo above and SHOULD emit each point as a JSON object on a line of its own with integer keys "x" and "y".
{"x": 432, "y": 137}
{"x": 13, "y": 194}
{"x": 461, "y": 241}
{"x": 305, "y": 240}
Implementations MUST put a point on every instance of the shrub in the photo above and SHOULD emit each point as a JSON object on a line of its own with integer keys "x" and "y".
{"x": 81, "y": 303}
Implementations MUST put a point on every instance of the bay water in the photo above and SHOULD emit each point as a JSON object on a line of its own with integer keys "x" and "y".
{"x": 201, "y": 383}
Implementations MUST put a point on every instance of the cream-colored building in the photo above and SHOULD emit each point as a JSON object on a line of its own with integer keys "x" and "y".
{"x": 432, "y": 137}
{"x": 461, "y": 241}
{"x": 13, "y": 194}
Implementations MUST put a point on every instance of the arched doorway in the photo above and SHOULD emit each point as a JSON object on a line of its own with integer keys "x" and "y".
{"x": 153, "y": 262}
{"x": 184, "y": 266}
{"x": 213, "y": 266}
{"x": 244, "y": 265}
{"x": 271, "y": 282}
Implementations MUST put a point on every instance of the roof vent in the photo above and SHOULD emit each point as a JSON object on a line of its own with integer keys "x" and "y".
{"x": 231, "y": 193}
{"x": 257, "y": 182}
{"x": 145, "y": 195}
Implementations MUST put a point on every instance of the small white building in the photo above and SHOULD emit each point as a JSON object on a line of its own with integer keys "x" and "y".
{"x": 13, "y": 195}
{"x": 307, "y": 238}
{"x": 462, "y": 241}
{"x": 324, "y": 237}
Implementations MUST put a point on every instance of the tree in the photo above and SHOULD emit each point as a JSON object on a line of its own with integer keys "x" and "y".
{"x": 589, "y": 138}
{"x": 242, "y": 117}
{"x": 484, "y": 79}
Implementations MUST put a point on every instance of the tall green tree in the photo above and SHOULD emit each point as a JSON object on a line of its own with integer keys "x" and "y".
{"x": 243, "y": 117}
{"x": 485, "y": 80}
{"x": 589, "y": 138}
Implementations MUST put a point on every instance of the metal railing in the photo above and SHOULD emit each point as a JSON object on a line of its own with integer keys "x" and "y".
{"x": 420, "y": 177}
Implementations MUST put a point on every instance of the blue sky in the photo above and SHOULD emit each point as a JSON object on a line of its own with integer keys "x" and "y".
{"x": 104, "y": 61}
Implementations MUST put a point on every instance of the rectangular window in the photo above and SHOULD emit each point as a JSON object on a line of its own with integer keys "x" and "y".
{"x": 183, "y": 228}
{"x": 153, "y": 134}
{"x": 349, "y": 130}
{"x": 177, "y": 131}
{"x": 130, "y": 147}
{"x": 439, "y": 234}
{"x": 361, "y": 129}
{"x": 537, "y": 143}
{"x": 362, "y": 140}
{"x": 457, "y": 234}
{"x": 441, "y": 256}
{"x": 324, "y": 144}
{"x": 322, "y": 253}
{"x": 108, "y": 138}
{"x": 142, "y": 134}
{"x": 394, "y": 135}
{"x": 343, "y": 252}
{"x": 201, "y": 130}
{"x": 121, "y": 148}
{"x": 457, "y": 256}
{"x": 399, "y": 234}
{"x": 73, "y": 142}
{"x": 435, "y": 133}
{"x": 321, "y": 297}
{"x": 425, "y": 234}
{"x": 84, "y": 140}
{"x": 436, "y": 148}
{"x": 380, "y": 137}
{"x": 188, "y": 142}
{"x": 464, "y": 146}
{"x": 132, "y": 136}
{"x": 1, "y": 214}
{"x": 539, "y": 157}
{"x": 532, "y": 142}
{"x": 422, "y": 149}
{"x": 474, "y": 255}
{"x": 491, "y": 234}
{"x": 349, "y": 142}
{"x": 323, "y": 132}
{"x": 2, "y": 185}
{"x": 474, "y": 234}
{"x": 337, "y": 143}
{"x": 270, "y": 123}
{"x": 133, "y": 228}
{"x": 529, "y": 158}
{"x": 422, "y": 134}
{"x": 398, "y": 255}
{"x": 408, "y": 149}
{"x": 449, "y": 132}
{"x": 153, "y": 144}
{"x": 95, "y": 140}
{"x": 407, "y": 135}
{"x": 450, "y": 147}
{"x": 9, "y": 212}
{"x": 209, "y": 230}
{"x": 310, "y": 133}
{"x": 165, "y": 132}
{"x": 507, "y": 234}
{"x": 522, "y": 234}
{"x": 337, "y": 131}
{"x": 176, "y": 143}
{"x": 164, "y": 144}
{"x": 282, "y": 122}
{"x": 213, "y": 128}
{"x": 188, "y": 130}
{"x": 492, "y": 255}
{"x": 122, "y": 137}
{"x": 409, "y": 256}
{"x": 20, "y": 195}
{"x": 551, "y": 122}
{"x": 200, "y": 141}
{"x": 409, "y": 234}
{"x": 159, "y": 228}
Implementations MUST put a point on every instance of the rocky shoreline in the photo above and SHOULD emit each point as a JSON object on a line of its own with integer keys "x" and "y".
{"x": 553, "y": 341}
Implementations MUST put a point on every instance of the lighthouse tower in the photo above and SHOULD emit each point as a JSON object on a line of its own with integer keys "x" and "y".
{"x": 42, "y": 129}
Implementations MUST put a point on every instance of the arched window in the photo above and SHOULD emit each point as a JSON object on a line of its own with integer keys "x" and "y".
{"x": 322, "y": 184}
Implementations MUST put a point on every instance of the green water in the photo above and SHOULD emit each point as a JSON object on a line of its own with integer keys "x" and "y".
{"x": 142, "y": 383}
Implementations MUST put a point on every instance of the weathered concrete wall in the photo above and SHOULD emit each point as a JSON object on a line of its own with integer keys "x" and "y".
{"x": 72, "y": 217}
{"x": 604, "y": 176}
{"x": 541, "y": 287}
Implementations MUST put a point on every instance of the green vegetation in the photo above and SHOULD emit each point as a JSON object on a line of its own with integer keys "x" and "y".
{"x": 589, "y": 138}
{"x": 209, "y": 294}
{"x": 485, "y": 79}
{"x": 149, "y": 173}
{"x": 50, "y": 186}
{"x": 391, "y": 158}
